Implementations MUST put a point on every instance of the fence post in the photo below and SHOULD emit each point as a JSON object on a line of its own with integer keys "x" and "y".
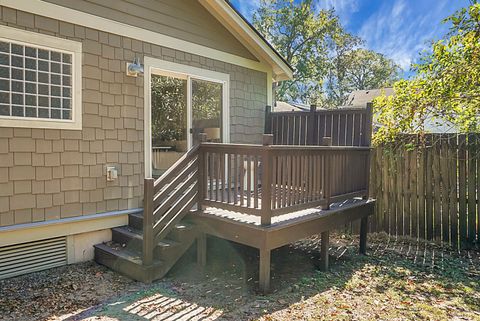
{"x": 147, "y": 250}
{"x": 201, "y": 172}
{"x": 266, "y": 217}
{"x": 327, "y": 169}
{"x": 268, "y": 120}
{"x": 367, "y": 130}
{"x": 312, "y": 127}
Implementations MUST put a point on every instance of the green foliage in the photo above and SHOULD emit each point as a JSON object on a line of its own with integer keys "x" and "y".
{"x": 302, "y": 37}
{"x": 358, "y": 69}
{"x": 169, "y": 109}
{"x": 325, "y": 57}
{"x": 446, "y": 86}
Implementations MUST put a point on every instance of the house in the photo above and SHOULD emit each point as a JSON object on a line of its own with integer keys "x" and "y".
{"x": 281, "y": 106}
{"x": 131, "y": 130}
{"x": 76, "y": 113}
{"x": 358, "y": 98}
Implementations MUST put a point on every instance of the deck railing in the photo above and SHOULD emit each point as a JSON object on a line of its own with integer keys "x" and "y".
{"x": 346, "y": 126}
{"x": 262, "y": 180}
{"x": 272, "y": 180}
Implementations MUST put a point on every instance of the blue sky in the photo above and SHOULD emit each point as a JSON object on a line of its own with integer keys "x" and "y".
{"x": 397, "y": 28}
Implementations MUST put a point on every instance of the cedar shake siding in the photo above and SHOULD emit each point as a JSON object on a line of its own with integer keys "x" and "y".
{"x": 182, "y": 19}
{"x": 50, "y": 174}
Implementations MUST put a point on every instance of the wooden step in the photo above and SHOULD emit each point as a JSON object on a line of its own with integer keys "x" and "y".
{"x": 135, "y": 221}
{"x": 128, "y": 263}
{"x": 132, "y": 240}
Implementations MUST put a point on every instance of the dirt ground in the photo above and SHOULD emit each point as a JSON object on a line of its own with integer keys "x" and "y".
{"x": 397, "y": 280}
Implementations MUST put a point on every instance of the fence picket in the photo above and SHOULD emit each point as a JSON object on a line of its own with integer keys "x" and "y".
{"x": 431, "y": 192}
{"x": 471, "y": 161}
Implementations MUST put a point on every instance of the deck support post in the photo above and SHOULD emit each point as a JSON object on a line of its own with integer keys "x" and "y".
{"x": 325, "y": 239}
{"x": 264, "y": 273}
{"x": 202, "y": 250}
{"x": 148, "y": 238}
{"x": 363, "y": 235}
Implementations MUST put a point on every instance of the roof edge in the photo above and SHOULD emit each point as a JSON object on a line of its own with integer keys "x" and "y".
{"x": 240, "y": 27}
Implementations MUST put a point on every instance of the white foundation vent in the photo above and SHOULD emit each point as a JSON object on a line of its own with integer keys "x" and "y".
{"x": 32, "y": 256}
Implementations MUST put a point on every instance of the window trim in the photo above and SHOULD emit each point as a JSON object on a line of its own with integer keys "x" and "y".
{"x": 42, "y": 41}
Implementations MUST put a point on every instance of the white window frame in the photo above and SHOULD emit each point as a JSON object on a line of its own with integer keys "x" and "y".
{"x": 74, "y": 48}
{"x": 162, "y": 67}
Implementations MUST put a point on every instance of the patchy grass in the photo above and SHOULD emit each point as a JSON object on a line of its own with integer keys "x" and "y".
{"x": 398, "y": 280}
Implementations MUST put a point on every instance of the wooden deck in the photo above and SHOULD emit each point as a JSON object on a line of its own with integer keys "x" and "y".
{"x": 284, "y": 229}
{"x": 264, "y": 196}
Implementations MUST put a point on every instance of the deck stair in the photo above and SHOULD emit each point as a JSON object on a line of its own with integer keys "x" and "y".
{"x": 148, "y": 247}
{"x": 124, "y": 253}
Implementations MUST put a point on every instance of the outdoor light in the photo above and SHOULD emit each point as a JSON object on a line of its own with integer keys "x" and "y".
{"x": 134, "y": 68}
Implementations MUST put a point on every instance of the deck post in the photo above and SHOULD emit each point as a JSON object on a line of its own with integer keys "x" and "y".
{"x": 363, "y": 235}
{"x": 202, "y": 249}
{"x": 327, "y": 168}
{"x": 147, "y": 250}
{"x": 312, "y": 125}
{"x": 266, "y": 216}
{"x": 268, "y": 119}
{"x": 325, "y": 239}
{"x": 264, "y": 273}
{"x": 201, "y": 183}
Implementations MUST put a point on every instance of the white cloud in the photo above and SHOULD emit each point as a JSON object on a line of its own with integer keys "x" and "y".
{"x": 401, "y": 30}
{"x": 344, "y": 8}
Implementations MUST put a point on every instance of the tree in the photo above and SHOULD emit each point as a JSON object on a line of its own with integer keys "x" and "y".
{"x": 302, "y": 36}
{"x": 327, "y": 61}
{"x": 358, "y": 69}
{"x": 446, "y": 85}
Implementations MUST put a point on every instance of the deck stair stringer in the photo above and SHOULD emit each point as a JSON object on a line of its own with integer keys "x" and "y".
{"x": 124, "y": 253}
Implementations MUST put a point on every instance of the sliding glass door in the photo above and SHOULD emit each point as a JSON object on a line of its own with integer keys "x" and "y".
{"x": 182, "y": 107}
{"x": 207, "y": 101}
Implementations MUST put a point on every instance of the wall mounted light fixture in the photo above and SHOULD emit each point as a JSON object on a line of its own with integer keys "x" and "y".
{"x": 134, "y": 68}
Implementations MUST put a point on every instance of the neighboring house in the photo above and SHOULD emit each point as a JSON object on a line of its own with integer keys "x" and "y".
{"x": 359, "y": 98}
{"x": 280, "y": 106}
{"x": 76, "y": 129}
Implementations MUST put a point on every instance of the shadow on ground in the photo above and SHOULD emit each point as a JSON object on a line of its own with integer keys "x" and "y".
{"x": 399, "y": 279}
{"x": 392, "y": 278}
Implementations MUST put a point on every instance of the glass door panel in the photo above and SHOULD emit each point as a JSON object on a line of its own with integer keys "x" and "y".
{"x": 207, "y": 101}
{"x": 169, "y": 121}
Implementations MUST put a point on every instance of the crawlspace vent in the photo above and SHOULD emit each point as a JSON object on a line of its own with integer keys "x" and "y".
{"x": 33, "y": 256}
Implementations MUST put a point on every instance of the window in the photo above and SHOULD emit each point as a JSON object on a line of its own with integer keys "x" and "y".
{"x": 39, "y": 80}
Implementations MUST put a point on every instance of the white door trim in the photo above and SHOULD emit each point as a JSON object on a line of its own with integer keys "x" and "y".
{"x": 159, "y": 66}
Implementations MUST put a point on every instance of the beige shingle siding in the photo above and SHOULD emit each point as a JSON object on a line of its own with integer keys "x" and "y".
{"x": 48, "y": 174}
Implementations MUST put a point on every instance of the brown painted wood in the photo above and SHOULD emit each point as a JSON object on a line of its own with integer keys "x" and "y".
{"x": 202, "y": 249}
{"x": 147, "y": 250}
{"x": 264, "y": 270}
{"x": 363, "y": 234}
{"x": 324, "y": 253}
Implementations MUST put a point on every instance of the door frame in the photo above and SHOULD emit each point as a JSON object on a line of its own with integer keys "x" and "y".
{"x": 159, "y": 66}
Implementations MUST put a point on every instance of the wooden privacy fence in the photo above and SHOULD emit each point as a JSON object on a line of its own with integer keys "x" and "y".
{"x": 428, "y": 190}
{"x": 345, "y": 126}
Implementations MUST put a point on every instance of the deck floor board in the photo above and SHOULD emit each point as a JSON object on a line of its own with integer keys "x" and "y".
{"x": 281, "y": 219}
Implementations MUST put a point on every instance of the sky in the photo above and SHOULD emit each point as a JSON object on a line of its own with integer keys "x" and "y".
{"x": 399, "y": 29}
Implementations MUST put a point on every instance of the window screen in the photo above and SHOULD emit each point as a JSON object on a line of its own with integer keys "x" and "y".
{"x": 35, "y": 82}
